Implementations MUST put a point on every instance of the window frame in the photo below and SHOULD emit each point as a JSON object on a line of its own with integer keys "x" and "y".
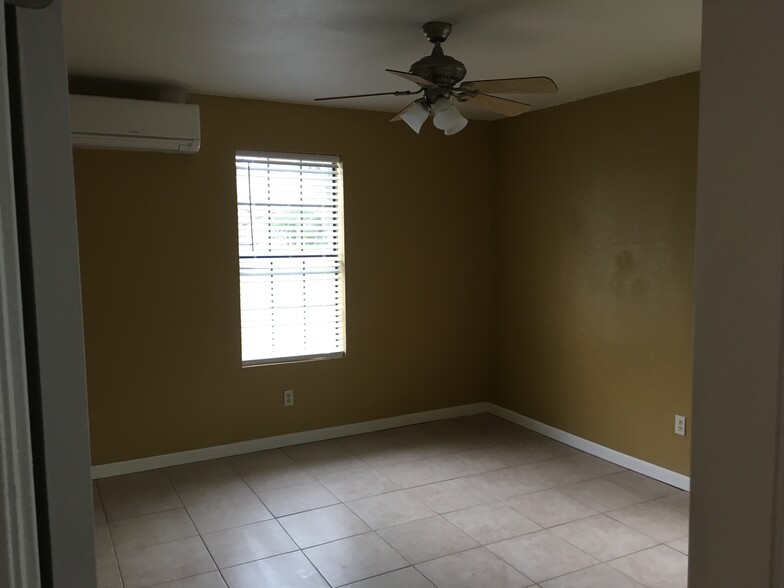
{"x": 341, "y": 255}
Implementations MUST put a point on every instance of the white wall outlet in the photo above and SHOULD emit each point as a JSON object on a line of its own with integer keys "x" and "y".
{"x": 680, "y": 425}
{"x": 288, "y": 397}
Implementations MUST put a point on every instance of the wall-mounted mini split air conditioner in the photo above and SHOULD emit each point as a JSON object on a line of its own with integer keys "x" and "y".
{"x": 139, "y": 125}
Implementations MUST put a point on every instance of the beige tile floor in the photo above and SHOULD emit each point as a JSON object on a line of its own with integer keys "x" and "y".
{"x": 470, "y": 502}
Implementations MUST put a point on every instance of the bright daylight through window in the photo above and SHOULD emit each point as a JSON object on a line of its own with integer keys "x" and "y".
{"x": 289, "y": 211}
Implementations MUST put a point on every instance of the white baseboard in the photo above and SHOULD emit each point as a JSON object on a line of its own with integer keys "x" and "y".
{"x": 611, "y": 455}
{"x": 183, "y": 457}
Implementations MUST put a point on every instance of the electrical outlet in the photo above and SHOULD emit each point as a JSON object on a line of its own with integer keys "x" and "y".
{"x": 288, "y": 397}
{"x": 680, "y": 425}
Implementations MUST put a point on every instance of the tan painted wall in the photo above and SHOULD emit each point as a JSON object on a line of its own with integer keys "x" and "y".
{"x": 576, "y": 224}
{"x": 596, "y": 234}
{"x": 158, "y": 241}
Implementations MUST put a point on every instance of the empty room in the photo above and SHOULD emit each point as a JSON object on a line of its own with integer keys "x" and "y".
{"x": 391, "y": 295}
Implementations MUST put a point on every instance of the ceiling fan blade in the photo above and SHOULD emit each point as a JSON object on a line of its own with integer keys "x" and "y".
{"x": 539, "y": 85}
{"x": 496, "y": 104}
{"x": 398, "y": 93}
{"x": 412, "y": 78}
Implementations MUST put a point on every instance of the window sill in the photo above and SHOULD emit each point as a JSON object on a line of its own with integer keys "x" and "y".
{"x": 294, "y": 359}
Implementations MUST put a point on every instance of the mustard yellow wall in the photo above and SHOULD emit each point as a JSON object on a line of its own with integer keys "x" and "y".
{"x": 158, "y": 240}
{"x": 595, "y": 220}
{"x": 543, "y": 262}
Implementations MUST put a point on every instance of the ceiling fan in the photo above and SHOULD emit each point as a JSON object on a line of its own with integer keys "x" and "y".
{"x": 438, "y": 75}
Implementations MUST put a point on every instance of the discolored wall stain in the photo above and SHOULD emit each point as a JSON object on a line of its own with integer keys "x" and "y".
{"x": 624, "y": 275}
{"x": 596, "y": 227}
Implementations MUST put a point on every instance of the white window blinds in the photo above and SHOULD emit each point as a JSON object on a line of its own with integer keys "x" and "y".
{"x": 289, "y": 211}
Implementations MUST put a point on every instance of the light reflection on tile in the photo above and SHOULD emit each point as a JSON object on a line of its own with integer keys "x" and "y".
{"x": 435, "y": 492}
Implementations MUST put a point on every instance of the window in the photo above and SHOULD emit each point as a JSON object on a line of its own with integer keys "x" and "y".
{"x": 289, "y": 211}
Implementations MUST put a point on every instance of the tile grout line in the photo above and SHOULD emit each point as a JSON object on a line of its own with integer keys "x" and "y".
{"x": 372, "y": 530}
{"x": 375, "y": 531}
{"x": 606, "y": 514}
{"x": 195, "y": 528}
{"x": 316, "y": 479}
{"x": 298, "y": 550}
{"x": 294, "y": 541}
{"x": 646, "y": 501}
{"x": 599, "y": 561}
{"x": 634, "y": 553}
{"x": 502, "y": 501}
{"x": 410, "y": 565}
{"x": 199, "y": 534}
{"x": 302, "y": 465}
{"x": 111, "y": 538}
{"x": 310, "y": 561}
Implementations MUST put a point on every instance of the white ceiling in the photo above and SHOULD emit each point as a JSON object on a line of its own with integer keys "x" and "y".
{"x": 297, "y": 50}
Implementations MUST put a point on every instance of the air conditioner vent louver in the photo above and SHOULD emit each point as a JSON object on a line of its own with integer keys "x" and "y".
{"x": 138, "y": 125}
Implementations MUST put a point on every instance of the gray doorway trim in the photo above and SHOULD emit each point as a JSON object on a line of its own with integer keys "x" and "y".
{"x": 18, "y": 537}
{"x": 737, "y": 496}
{"x": 52, "y": 301}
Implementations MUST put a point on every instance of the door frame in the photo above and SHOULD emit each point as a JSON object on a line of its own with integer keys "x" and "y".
{"x": 48, "y": 278}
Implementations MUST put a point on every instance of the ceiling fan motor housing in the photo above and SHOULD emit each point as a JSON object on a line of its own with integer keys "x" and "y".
{"x": 438, "y": 68}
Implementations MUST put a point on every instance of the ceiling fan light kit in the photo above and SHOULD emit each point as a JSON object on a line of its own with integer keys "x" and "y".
{"x": 461, "y": 123}
{"x": 446, "y": 117}
{"x": 438, "y": 74}
{"x": 416, "y": 115}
